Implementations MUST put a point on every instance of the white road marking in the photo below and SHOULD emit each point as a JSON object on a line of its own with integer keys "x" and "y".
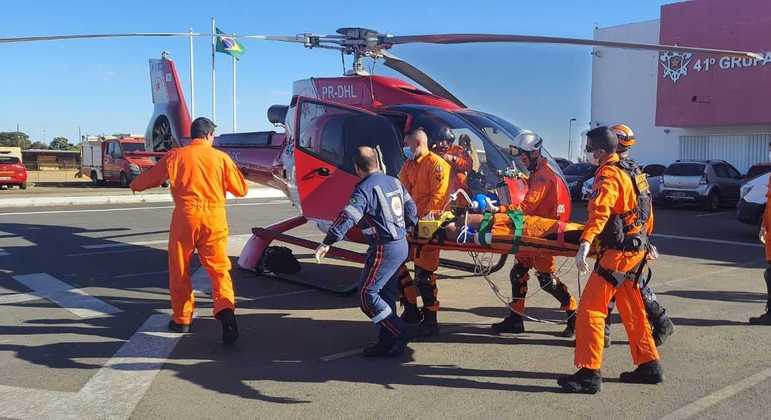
{"x": 231, "y": 239}
{"x": 201, "y": 281}
{"x": 716, "y": 397}
{"x": 30, "y": 213}
{"x": 124, "y": 244}
{"x": 712, "y": 214}
{"x": 3, "y": 253}
{"x": 117, "y": 251}
{"x": 709, "y": 240}
{"x": 709, "y": 273}
{"x": 76, "y": 301}
{"x": 113, "y": 392}
{"x": 149, "y": 273}
{"x": 18, "y": 298}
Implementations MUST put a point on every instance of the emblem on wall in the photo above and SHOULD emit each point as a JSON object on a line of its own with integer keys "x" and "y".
{"x": 675, "y": 64}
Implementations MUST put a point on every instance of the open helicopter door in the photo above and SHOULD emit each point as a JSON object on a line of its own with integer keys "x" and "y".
{"x": 327, "y": 136}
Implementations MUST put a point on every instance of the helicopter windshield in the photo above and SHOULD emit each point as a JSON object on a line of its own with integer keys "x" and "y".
{"x": 487, "y": 156}
{"x": 503, "y": 133}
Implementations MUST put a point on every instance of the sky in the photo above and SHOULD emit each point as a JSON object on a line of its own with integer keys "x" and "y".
{"x": 57, "y": 88}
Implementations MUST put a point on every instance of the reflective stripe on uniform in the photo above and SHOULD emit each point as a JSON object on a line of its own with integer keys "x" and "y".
{"x": 385, "y": 313}
{"x": 385, "y": 205}
{"x": 353, "y": 212}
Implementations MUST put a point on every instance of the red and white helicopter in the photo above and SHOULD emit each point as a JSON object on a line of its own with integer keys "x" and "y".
{"x": 328, "y": 117}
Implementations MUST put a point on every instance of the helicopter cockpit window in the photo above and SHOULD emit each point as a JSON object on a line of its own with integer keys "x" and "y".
{"x": 334, "y": 134}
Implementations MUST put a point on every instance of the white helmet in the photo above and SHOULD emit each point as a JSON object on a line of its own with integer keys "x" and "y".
{"x": 527, "y": 141}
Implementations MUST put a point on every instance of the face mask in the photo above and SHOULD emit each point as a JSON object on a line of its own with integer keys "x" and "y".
{"x": 408, "y": 153}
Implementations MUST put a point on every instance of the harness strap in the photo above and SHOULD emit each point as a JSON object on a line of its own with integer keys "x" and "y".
{"x": 517, "y": 221}
{"x": 484, "y": 229}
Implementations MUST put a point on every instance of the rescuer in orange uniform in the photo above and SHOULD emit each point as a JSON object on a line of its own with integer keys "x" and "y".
{"x": 542, "y": 200}
{"x": 458, "y": 158}
{"x": 617, "y": 219}
{"x": 662, "y": 325}
{"x": 199, "y": 176}
{"x": 426, "y": 176}
{"x": 765, "y": 319}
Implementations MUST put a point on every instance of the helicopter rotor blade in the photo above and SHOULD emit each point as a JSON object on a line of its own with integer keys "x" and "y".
{"x": 532, "y": 39}
{"x": 415, "y": 74}
{"x": 296, "y": 38}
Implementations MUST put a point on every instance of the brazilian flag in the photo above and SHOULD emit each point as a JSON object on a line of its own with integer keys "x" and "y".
{"x": 229, "y": 45}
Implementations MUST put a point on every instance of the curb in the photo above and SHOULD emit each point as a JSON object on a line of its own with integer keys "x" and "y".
{"x": 119, "y": 199}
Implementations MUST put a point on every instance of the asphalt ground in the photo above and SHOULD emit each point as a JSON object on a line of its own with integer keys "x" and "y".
{"x": 83, "y": 306}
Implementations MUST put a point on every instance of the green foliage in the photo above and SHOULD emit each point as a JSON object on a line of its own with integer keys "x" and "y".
{"x": 15, "y": 139}
{"x": 38, "y": 145}
{"x": 60, "y": 143}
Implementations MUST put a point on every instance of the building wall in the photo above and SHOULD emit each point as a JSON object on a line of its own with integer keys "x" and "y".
{"x": 624, "y": 90}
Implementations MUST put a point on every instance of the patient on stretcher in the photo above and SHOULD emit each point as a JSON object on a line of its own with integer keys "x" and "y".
{"x": 505, "y": 227}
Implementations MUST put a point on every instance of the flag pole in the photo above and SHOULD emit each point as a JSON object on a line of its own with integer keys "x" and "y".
{"x": 192, "y": 76}
{"x": 235, "y": 125}
{"x": 213, "y": 78}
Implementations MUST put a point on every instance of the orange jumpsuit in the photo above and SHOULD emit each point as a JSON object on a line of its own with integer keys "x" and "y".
{"x": 460, "y": 163}
{"x": 199, "y": 175}
{"x": 427, "y": 179}
{"x": 542, "y": 200}
{"x": 613, "y": 194}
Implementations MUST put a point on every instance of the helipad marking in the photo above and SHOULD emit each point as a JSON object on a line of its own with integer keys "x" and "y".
{"x": 77, "y": 301}
{"x": 716, "y": 397}
{"x": 113, "y": 392}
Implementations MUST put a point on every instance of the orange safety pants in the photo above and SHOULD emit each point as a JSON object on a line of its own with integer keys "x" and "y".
{"x": 593, "y": 309}
{"x": 205, "y": 230}
{"x": 426, "y": 263}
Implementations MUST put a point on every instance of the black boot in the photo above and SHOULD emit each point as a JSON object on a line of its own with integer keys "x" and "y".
{"x": 570, "y": 327}
{"x": 764, "y": 319}
{"x": 411, "y": 314}
{"x": 647, "y": 373}
{"x": 429, "y": 327}
{"x": 179, "y": 328}
{"x": 511, "y": 324}
{"x": 229, "y": 326}
{"x": 585, "y": 381}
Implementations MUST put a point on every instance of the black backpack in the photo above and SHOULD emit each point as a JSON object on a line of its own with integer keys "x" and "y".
{"x": 279, "y": 260}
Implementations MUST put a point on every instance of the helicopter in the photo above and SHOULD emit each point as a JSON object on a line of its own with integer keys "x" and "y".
{"x": 327, "y": 118}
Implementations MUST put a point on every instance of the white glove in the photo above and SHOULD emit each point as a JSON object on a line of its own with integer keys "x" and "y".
{"x": 762, "y": 235}
{"x": 490, "y": 206}
{"x": 321, "y": 251}
{"x": 653, "y": 254}
{"x": 583, "y": 251}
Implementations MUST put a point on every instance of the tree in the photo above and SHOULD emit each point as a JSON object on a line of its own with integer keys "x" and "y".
{"x": 14, "y": 139}
{"x": 38, "y": 145}
{"x": 60, "y": 143}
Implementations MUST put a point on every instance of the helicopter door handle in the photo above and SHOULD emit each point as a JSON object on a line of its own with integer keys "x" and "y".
{"x": 322, "y": 171}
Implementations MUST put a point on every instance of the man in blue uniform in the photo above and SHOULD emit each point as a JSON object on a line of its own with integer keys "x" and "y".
{"x": 382, "y": 208}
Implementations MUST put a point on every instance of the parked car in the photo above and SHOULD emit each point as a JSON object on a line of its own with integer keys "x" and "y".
{"x": 706, "y": 182}
{"x": 575, "y": 175}
{"x": 563, "y": 163}
{"x": 757, "y": 170}
{"x": 12, "y": 172}
{"x": 655, "y": 173}
{"x": 752, "y": 200}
